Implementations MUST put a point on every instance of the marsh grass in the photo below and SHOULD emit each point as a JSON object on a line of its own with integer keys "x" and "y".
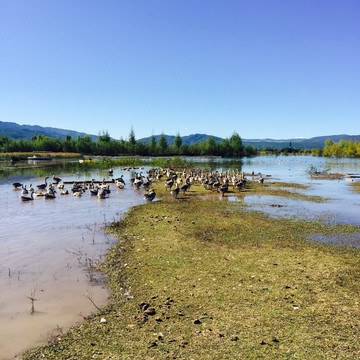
{"x": 282, "y": 189}
{"x": 356, "y": 186}
{"x": 198, "y": 278}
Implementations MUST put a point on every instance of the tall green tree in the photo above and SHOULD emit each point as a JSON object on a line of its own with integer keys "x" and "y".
{"x": 131, "y": 143}
{"x": 177, "y": 142}
{"x": 152, "y": 146}
{"x": 163, "y": 144}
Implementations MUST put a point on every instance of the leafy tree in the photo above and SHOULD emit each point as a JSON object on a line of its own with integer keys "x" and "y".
{"x": 211, "y": 146}
{"x": 84, "y": 145}
{"x": 236, "y": 145}
{"x": 250, "y": 151}
{"x": 104, "y": 136}
{"x": 152, "y": 145}
{"x": 163, "y": 145}
{"x": 225, "y": 148}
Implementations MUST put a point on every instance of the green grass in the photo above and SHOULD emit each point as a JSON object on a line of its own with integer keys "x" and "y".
{"x": 199, "y": 278}
{"x": 108, "y": 162}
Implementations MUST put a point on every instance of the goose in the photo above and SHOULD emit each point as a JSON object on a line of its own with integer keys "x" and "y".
{"x": 94, "y": 191}
{"x": 31, "y": 189}
{"x": 56, "y": 179}
{"x": 150, "y": 195}
{"x": 24, "y": 191}
{"x": 50, "y": 195}
{"x": 169, "y": 184}
{"x": 261, "y": 179}
{"x": 175, "y": 191}
{"x": 101, "y": 193}
{"x": 223, "y": 189}
{"x": 138, "y": 183}
{"x": 44, "y": 185}
{"x": 239, "y": 185}
{"x": 111, "y": 171}
{"x": 28, "y": 198}
{"x": 147, "y": 183}
{"x": 120, "y": 183}
{"x": 16, "y": 185}
{"x": 39, "y": 193}
{"x": 64, "y": 192}
{"x": 184, "y": 188}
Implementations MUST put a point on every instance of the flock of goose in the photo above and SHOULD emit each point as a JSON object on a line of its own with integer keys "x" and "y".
{"x": 101, "y": 189}
{"x": 175, "y": 182}
{"x": 210, "y": 180}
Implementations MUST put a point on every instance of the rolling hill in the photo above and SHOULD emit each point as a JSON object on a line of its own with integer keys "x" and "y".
{"x": 16, "y": 131}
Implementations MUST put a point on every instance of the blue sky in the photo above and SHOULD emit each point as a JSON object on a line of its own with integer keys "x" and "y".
{"x": 263, "y": 68}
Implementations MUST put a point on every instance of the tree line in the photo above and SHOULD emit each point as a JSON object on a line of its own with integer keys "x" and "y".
{"x": 105, "y": 145}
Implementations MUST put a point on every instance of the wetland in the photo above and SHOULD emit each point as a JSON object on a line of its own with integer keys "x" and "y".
{"x": 188, "y": 261}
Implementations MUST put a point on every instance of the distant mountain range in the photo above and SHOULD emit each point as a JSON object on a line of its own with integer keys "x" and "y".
{"x": 300, "y": 143}
{"x": 16, "y": 131}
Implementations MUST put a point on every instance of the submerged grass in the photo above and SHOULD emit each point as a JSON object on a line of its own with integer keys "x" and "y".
{"x": 281, "y": 189}
{"x": 356, "y": 186}
{"x": 196, "y": 278}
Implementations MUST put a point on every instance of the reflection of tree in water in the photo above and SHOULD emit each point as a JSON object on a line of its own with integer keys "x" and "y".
{"x": 25, "y": 170}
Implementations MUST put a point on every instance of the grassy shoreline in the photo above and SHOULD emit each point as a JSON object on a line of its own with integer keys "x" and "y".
{"x": 199, "y": 278}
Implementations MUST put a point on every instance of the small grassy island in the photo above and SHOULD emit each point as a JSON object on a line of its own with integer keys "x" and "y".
{"x": 200, "y": 278}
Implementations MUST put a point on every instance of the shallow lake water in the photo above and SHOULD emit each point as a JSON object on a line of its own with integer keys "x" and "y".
{"x": 46, "y": 245}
